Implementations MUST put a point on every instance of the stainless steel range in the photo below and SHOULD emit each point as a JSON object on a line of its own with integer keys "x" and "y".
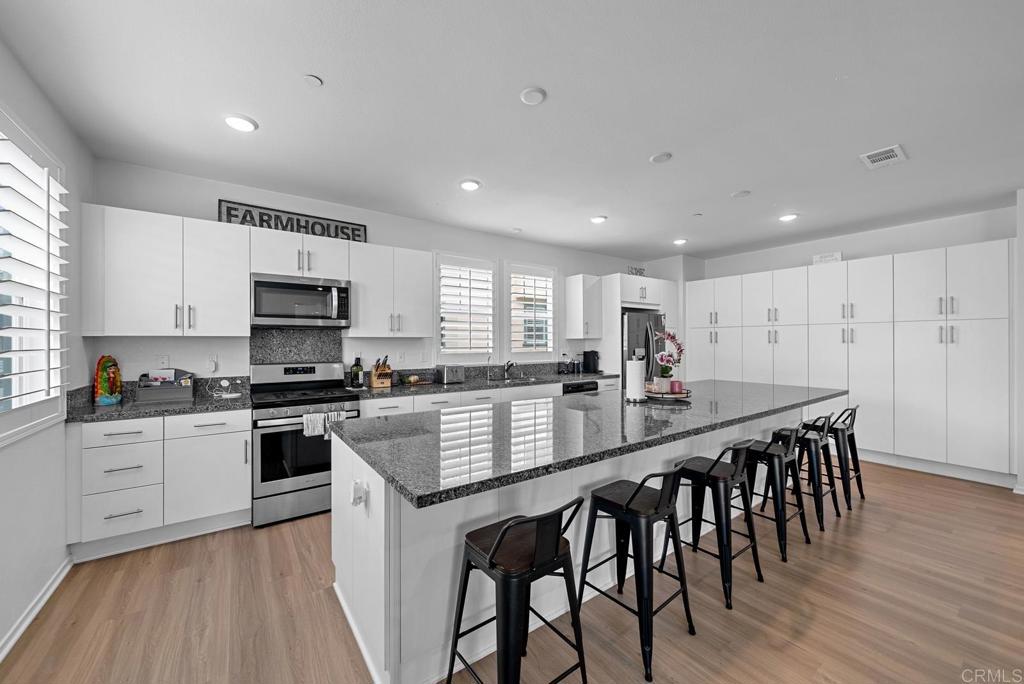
{"x": 291, "y": 474}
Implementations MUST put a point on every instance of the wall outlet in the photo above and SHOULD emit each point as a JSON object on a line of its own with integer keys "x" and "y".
{"x": 401, "y": 357}
{"x": 163, "y": 361}
{"x": 211, "y": 363}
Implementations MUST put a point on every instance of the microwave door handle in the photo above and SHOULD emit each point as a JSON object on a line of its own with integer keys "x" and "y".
{"x": 334, "y": 303}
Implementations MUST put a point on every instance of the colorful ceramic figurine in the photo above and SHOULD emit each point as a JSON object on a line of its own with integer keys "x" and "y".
{"x": 106, "y": 384}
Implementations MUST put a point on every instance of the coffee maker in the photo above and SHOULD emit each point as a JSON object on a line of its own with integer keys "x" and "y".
{"x": 590, "y": 361}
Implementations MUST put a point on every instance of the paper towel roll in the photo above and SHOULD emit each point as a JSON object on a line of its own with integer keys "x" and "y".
{"x": 635, "y": 379}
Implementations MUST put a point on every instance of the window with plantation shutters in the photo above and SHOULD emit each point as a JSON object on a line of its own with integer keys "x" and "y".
{"x": 466, "y": 303}
{"x": 531, "y": 326}
{"x": 32, "y": 349}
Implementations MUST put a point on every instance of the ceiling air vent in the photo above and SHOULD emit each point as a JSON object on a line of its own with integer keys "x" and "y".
{"x": 887, "y": 156}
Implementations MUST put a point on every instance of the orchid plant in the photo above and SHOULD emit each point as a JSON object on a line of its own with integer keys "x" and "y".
{"x": 669, "y": 359}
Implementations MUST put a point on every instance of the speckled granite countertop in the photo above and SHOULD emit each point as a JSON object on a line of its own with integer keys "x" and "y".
{"x": 476, "y": 385}
{"x": 133, "y": 409}
{"x": 584, "y": 428}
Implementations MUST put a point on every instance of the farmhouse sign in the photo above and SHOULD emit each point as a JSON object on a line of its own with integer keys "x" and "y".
{"x": 290, "y": 222}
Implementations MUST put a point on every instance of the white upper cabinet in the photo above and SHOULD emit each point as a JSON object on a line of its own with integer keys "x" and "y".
{"x": 414, "y": 293}
{"x": 978, "y": 280}
{"x": 639, "y": 290}
{"x": 700, "y": 303}
{"x": 216, "y": 279}
{"x": 757, "y": 298}
{"x": 789, "y": 296}
{"x": 325, "y": 257}
{"x": 919, "y": 286}
{"x": 276, "y": 251}
{"x": 729, "y": 301}
{"x": 142, "y": 273}
{"x": 582, "y": 305}
{"x": 870, "y": 290}
{"x": 826, "y": 293}
{"x": 392, "y": 291}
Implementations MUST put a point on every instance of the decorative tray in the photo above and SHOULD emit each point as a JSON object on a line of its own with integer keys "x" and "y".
{"x": 668, "y": 396}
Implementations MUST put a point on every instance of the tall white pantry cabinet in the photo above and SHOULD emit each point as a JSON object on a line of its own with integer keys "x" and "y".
{"x": 921, "y": 340}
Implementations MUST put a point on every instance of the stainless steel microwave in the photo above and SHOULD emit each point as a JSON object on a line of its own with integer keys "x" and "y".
{"x": 281, "y": 301}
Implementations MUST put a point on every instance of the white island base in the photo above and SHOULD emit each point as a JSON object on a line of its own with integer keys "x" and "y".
{"x": 397, "y": 567}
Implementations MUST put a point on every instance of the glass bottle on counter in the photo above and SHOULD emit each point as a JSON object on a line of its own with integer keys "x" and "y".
{"x": 356, "y": 374}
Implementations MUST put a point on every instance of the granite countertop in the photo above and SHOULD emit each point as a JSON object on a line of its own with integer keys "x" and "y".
{"x": 133, "y": 409}
{"x": 475, "y": 385}
{"x": 574, "y": 430}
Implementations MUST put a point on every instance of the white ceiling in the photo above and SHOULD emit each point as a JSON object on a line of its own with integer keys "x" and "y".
{"x": 777, "y": 97}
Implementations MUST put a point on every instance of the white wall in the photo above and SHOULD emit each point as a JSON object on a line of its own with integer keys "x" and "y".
{"x": 32, "y": 509}
{"x": 993, "y": 224}
{"x": 147, "y": 189}
{"x": 1018, "y": 335}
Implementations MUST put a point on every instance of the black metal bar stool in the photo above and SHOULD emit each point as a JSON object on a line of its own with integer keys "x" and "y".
{"x": 721, "y": 478}
{"x": 779, "y": 455}
{"x": 635, "y": 508}
{"x": 812, "y": 443}
{"x": 841, "y": 432}
{"x": 515, "y": 553}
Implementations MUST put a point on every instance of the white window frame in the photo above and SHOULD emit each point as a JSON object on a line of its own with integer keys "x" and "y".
{"x": 24, "y": 421}
{"x": 511, "y": 267}
{"x": 470, "y": 262}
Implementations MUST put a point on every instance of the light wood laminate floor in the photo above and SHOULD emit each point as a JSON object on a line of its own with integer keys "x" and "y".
{"x": 920, "y": 581}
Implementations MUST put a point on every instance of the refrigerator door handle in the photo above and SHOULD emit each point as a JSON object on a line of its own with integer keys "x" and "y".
{"x": 649, "y": 349}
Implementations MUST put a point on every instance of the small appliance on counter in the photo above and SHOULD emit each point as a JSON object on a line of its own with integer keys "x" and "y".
{"x": 591, "y": 362}
{"x": 163, "y": 385}
{"x": 448, "y": 374}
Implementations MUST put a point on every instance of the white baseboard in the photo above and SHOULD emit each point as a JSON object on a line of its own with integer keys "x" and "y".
{"x": 1019, "y": 489}
{"x": 22, "y": 623}
{"x": 943, "y": 469}
{"x": 112, "y": 546}
{"x": 376, "y": 676}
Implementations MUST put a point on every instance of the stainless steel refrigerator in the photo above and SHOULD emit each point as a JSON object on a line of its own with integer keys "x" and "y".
{"x": 639, "y": 327}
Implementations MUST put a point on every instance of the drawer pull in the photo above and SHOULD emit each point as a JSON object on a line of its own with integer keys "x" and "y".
{"x": 119, "y": 434}
{"x": 388, "y": 408}
{"x": 198, "y": 425}
{"x": 122, "y": 515}
{"x": 483, "y": 397}
{"x": 118, "y": 470}
{"x": 440, "y": 402}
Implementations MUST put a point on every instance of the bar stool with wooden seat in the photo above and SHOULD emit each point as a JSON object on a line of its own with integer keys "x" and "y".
{"x": 779, "y": 455}
{"x": 841, "y": 432}
{"x": 515, "y": 553}
{"x": 636, "y": 508}
{"x": 814, "y": 452}
{"x": 721, "y": 478}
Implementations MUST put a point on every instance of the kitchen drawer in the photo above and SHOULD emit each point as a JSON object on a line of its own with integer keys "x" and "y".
{"x": 385, "y": 407}
{"x": 127, "y": 510}
{"x": 106, "y": 469}
{"x": 482, "y": 396}
{"x": 122, "y": 432}
{"x": 435, "y": 402}
{"x": 198, "y": 424}
{"x": 607, "y": 384}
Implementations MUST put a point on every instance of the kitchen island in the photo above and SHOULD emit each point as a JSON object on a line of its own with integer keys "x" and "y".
{"x": 407, "y": 488}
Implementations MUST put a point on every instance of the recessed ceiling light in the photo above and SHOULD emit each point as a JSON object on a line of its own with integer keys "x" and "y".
{"x": 469, "y": 185}
{"x": 740, "y": 193}
{"x": 680, "y": 241}
{"x": 661, "y": 158}
{"x": 313, "y": 81}
{"x": 598, "y": 219}
{"x": 533, "y": 96}
{"x": 786, "y": 218}
{"x": 242, "y": 123}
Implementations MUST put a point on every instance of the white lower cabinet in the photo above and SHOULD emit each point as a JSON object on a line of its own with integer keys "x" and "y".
{"x": 206, "y": 476}
{"x": 699, "y": 360}
{"x": 919, "y": 380}
{"x": 390, "y": 406}
{"x": 127, "y": 510}
{"x": 729, "y": 354}
{"x": 109, "y": 468}
{"x": 608, "y": 384}
{"x": 978, "y": 400}
{"x": 436, "y": 402}
{"x": 827, "y": 364}
{"x": 483, "y": 396}
{"x": 870, "y": 347}
{"x": 531, "y": 392}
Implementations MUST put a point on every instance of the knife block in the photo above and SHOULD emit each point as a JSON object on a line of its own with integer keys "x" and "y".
{"x": 380, "y": 377}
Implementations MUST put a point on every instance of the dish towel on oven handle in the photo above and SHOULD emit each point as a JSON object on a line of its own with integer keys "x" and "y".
{"x": 315, "y": 424}
{"x": 332, "y": 417}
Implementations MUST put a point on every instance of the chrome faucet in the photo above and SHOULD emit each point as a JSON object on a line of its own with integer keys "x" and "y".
{"x": 509, "y": 365}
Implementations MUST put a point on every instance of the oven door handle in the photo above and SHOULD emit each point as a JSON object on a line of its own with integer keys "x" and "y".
{"x": 274, "y": 422}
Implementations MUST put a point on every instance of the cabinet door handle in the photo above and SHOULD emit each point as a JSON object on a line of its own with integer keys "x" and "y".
{"x": 769, "y": 337}
{"x": 769, "y": 314}
{"x": 842, "y": 313}
{"x": 298, "y": 253}
{"x": 851, "y": 335}
{"x": 711, "y": 318}
{"x": 118, "y": 470}
{"x": 776, "y": 314}
{"x": 942, "y": 311}
{"x": 776, "y": 337}
{"x": 245, "y": 452}
{"x": 716, "y": 337}
{"x": 844, "y": 335}
{"x": 190, "y": 325}
{"x": 119, "y": 434}
{"x": 201, "y": 425}
{"x": 391, "y": 322}
{"x": 121, "y": 515}
{"x": 711, "y": 337}
{"x": 942, "y": 334}
{"x": 399, "y": 328}
{"x": 309, "y": 261}
{"x": 851, "y": 310}
{"x": 952, "y": 305}
{"x": 177, "y": 316}
{"x": 952, "y": 329}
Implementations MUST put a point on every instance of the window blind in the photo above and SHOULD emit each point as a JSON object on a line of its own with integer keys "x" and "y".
{"x": 32, "y": 348}
{"x": 532, "y": 437}
{"x": 466, "y": 308}
{"x": 467, "y": 438}
{"x": 532, "y": 312}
